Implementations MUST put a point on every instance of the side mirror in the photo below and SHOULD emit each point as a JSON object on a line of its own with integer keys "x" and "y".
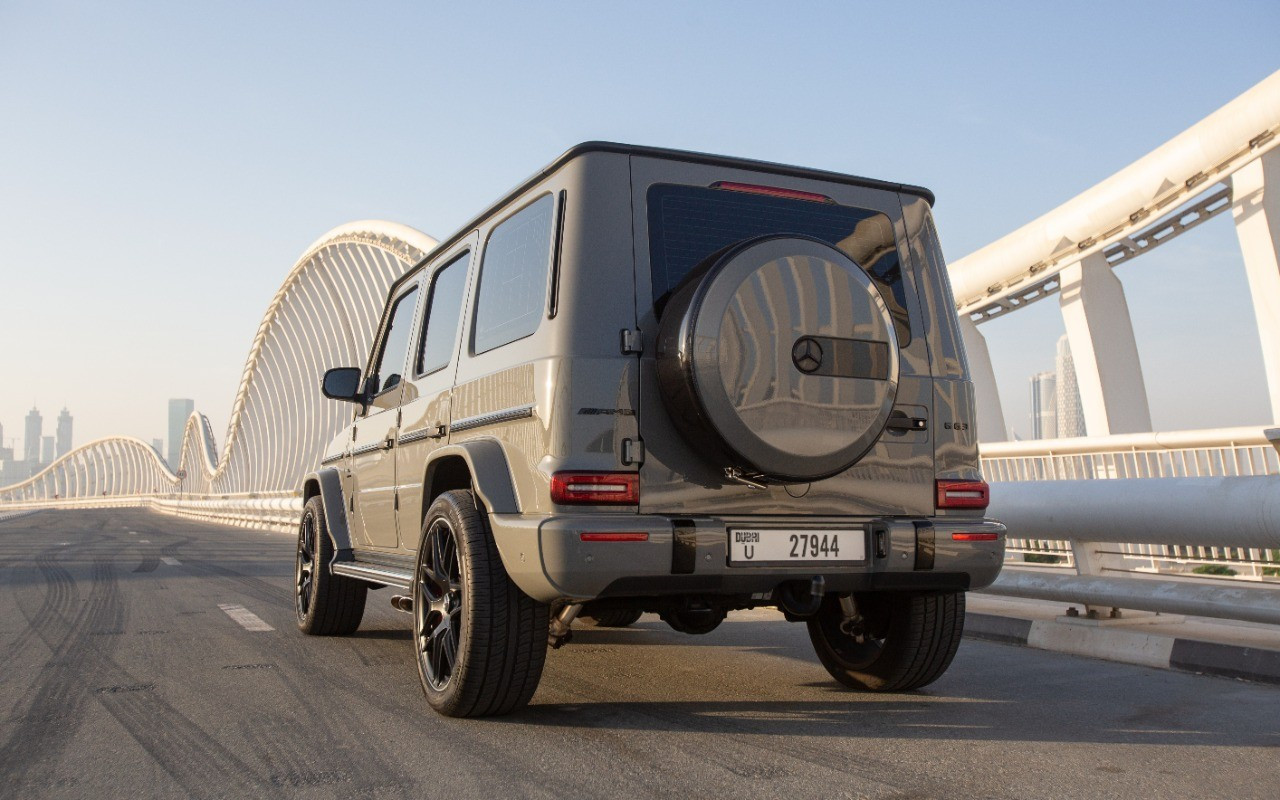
{"x": 343, "y": 383}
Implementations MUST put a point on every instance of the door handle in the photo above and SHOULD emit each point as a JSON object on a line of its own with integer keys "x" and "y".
{"x": 439, "y": 433}
{"x": 901, "y": 422}
{"x": 389, "y": 442}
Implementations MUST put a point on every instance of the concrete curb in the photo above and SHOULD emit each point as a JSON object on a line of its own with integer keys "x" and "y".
{"x": 1129, "y": 646}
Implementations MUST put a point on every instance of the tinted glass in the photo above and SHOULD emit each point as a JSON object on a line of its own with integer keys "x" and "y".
{"x": 513, "y": 277}
{"x": 689, "y": 223}
{"x": 395, "y": 344}
{"x": 444, "y": 310}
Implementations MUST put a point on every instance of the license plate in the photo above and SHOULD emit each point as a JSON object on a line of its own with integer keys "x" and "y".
{"x": 774, "y": 546}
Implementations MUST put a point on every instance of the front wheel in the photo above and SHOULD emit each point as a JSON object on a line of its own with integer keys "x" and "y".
{"x": 902, "y": 642}
{"x": 480, "y": 641}
{"x": 325, "y": 604}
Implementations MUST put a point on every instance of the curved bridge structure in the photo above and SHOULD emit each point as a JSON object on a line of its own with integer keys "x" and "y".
{"x": 323, "y": 315}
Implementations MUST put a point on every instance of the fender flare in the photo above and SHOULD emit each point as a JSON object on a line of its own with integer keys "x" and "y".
{"x": 329, "y": 483}
{"x": 490, "y": 472}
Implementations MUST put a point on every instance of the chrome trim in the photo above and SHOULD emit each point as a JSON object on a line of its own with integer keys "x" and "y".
{"x": 365, "y": 572}
{"x": 327, "y": 460}
{"x": 414, "y": 436}
{"x": 368, "y": 448}
{"x": 520, "y": 412}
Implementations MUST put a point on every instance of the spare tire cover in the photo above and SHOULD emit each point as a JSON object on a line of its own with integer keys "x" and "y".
{"x": 778, "y": 356}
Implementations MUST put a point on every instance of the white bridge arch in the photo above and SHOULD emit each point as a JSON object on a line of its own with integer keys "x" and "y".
{"x": 323, "y": 315}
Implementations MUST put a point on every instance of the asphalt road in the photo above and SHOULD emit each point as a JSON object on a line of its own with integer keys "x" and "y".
{"x": 123, "y": 676}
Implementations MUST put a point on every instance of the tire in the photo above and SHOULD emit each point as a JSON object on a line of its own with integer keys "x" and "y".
{"x": 479, "y": 642}
{"x": 325, "y": 604}
{"x": 910, "y": 640}
{"x": 695, "y": 621}
{"x": 778, "y": 357}
{"x": 612, "y": 619}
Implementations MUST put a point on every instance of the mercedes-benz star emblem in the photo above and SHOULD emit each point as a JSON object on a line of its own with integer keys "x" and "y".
{"x": 807, "y": 354}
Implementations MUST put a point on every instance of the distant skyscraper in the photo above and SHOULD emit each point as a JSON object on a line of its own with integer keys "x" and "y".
{"x": 46, "y": 450}
{"x": 1070, "y": 409}
{"x": 64, "y": 432}
{"x": 179, "y": 411}
{"x": 31, "y": 442}
{"x": 1044, "y": 405}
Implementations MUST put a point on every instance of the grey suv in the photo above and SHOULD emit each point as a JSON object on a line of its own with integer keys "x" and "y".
{"x": 659, "y": 381}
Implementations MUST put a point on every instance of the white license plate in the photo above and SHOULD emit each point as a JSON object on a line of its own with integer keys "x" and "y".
{"x": 774, "y": 546}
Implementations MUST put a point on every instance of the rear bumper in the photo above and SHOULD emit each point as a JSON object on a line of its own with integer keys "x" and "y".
{"x": 548, "y": 560}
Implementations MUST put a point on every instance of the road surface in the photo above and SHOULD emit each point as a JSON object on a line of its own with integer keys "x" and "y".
{"x": 152, "y": 657}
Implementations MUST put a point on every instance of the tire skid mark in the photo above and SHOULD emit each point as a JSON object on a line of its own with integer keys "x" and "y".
{"x": 149, "y": 564}
{"x": 196, "y": 761}
{"x": 55, "y": 711}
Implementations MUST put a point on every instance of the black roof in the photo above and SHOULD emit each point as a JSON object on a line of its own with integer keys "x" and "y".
{"x": 670, "y": 155}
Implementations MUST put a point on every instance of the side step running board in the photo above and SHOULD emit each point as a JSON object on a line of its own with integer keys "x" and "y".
{"x": 388, "y": 576}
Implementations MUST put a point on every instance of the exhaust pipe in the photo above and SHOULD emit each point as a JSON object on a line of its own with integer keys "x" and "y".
{"x": 560, "y": 635}
{"x": 402, "y": 603}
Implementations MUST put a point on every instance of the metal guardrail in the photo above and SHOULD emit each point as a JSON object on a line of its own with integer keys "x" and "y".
{"x": 1126, "y": 520}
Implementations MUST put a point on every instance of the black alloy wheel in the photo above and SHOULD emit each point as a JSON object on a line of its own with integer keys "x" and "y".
{"x": 438, "y": 604}
{"x": 325, "y": 604}
{"x": 479, "y": 641}
{"x": 305, "y": 565}
{"x": 903, "y": 641}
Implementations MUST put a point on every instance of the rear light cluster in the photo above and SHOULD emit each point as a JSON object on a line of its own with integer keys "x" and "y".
{"x": 595, "y": 489}
{"x": 963, "y": 494}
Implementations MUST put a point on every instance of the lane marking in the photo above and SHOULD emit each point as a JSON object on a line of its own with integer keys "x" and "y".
{"x": 171, "y": 561}
{"x": 133, "y": 533}
{"x": 247, "y": 619}
{"x": 144, "y": 541}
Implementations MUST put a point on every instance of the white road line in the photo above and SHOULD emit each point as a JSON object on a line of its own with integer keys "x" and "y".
{"x": 133, "y": 533}
{"x": 247, "y": 619}
{"x": 144, "y": 541}
{"x": 170, "y": 560}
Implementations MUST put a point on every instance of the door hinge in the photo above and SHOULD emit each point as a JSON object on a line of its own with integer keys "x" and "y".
{"x": 632, "y": 452}
{"x": 396, "y": 501}
{"x": 632, "y": 344}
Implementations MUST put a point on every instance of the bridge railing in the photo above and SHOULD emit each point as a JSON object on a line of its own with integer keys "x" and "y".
{"x": 1177, "y": 522}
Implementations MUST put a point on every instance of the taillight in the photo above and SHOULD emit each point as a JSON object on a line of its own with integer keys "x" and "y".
{"x": 963, "y": 494}
{"x": 595, "y": 488}
{"x": 614, "y": 536}
{"x": 974, "y": 537}
{"x": 772, "y": 191}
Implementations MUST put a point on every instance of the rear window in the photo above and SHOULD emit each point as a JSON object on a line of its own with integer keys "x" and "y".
{"x": 689, "y": 223}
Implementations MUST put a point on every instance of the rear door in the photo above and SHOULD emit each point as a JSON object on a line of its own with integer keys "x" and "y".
{"x": 426, "y": 407}
{"x": 685, "y": 212}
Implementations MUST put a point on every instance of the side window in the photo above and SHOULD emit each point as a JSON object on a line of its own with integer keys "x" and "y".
{"x": 395, "y": 344}
{"x": 513, "y": 276}
{"x": 440, "y": 322}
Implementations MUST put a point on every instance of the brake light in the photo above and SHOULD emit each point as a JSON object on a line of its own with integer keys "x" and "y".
{"x": 974, "y": 537}
{"x": 595, "y": 488}
{"x": 963, "y": 494}
{"x": 614, "y": 537}
{"x": 772, "y": 191}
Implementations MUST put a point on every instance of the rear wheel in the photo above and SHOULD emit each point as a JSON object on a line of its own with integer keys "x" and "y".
{"x": 903, "y": 642}
{"x": 611, "y": 619}
{"x": 326, "y": 604}
{"x": 480, "y": 641}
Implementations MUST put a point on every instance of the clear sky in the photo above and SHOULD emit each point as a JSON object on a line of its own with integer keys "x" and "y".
{"x": 162, "y": 165}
